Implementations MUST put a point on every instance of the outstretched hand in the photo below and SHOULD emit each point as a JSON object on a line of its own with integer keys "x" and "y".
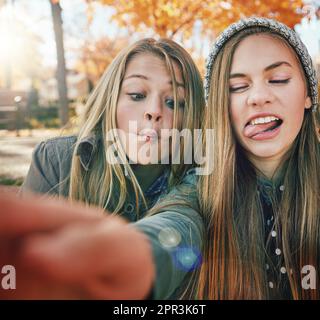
{"x": 64, "y": 251}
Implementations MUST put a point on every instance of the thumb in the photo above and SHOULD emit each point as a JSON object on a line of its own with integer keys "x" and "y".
{"x": 22, "y": 216}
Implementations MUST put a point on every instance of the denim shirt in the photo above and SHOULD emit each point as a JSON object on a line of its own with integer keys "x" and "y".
{"x": 56, "y": 155}
{"x": 175, "y": 232}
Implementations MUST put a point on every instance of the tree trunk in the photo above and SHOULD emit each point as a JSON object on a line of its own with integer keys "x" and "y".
{"x": 61, "y": 67}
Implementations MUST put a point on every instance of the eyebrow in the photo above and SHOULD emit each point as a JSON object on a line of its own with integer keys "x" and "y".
{"x": 268, "y": 68}
{"x": 141, "y": 76}
{"x": 278, "y": 64}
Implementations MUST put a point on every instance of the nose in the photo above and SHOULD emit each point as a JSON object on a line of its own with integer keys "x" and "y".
{"x": 259, "y": 95}
{"x": 153, "y": 110}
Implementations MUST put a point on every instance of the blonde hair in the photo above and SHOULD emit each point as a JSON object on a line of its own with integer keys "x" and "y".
{"x": 105, "y": 184}
{"x": 234, "y": 251}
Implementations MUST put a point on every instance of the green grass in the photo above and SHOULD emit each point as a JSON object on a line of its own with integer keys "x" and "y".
{"x": 7, "y": 181}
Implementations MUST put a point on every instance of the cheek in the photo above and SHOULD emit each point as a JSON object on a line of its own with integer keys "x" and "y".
{"x": 168, "y": 118}
{"x": 295, "y": 110}
{"x": 124, "y": 114}
{"x": 295, "y": 120}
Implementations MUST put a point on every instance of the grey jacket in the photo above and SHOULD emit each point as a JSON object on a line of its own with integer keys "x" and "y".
{"x": 175, "y": 232}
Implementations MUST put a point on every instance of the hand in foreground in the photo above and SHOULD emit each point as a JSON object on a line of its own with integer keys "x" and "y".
{"x": 72, "y": 252}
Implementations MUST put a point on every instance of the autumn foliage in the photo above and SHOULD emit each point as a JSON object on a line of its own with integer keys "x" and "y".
{"x": 177, "y": 19}
{"x": 96, "y": 56}
{"x": 167, "y": 18}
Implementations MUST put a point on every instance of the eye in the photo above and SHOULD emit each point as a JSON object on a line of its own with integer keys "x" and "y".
{"x": 170, "y": 103}
{"x": 239, "y": 88}
{"x": 136, "y": 96}
{"x": 279, "y": 81}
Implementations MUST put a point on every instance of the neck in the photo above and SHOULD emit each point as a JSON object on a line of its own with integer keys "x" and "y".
{"x": 147, "y": 174}
{"x": 268, "y": 167}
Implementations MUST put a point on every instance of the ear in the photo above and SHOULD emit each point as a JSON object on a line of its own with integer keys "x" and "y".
{"x": 307, "y": 104}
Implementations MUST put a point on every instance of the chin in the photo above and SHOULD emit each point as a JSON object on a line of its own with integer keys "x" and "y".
{"x": 144, "y": 162}
{"x": 266, "y": 151}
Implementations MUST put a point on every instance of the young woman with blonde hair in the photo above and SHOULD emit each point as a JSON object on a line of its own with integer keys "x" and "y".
{"x": 118, "y": 163}
{"x": 261, "y": 203}
{"x": 98, "y": 171}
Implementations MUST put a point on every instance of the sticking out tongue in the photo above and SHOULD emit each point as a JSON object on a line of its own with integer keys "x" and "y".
{"x": 251, "y": 130}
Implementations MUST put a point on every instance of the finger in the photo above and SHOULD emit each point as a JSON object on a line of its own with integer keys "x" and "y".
{"x": 73, "y": 254}
{"x": 116, "y": 263}
{"x": 20, "y": 216}
{"x": 107, "y": 260}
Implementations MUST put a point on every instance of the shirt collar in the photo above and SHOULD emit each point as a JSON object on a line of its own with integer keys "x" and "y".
{"x": 270, "y": 188}
{"x": 86, "y": 149}
{"x": 264, "y": 182}
{"x": 159, "y": 185}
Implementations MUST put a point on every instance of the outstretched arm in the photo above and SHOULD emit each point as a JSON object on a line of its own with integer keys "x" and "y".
{"x": 72, "y": 251}
{"x": 175, "y": 232}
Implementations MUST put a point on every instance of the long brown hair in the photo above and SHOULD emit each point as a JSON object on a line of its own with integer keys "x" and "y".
{"x": 234, "y": 252}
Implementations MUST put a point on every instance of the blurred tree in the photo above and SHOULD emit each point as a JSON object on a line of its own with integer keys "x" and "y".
{"x": 61, "y": 67}
{"x": 19, "y": 55}
{"x": 96, "y": 56}
{"x": 167, "y": 18}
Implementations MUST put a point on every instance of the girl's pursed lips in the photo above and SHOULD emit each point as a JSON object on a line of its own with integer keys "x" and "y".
{"x": 148, "y": 132}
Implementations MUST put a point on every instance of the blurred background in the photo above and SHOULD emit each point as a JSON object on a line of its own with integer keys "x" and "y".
{"x": 53, "y": 52}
